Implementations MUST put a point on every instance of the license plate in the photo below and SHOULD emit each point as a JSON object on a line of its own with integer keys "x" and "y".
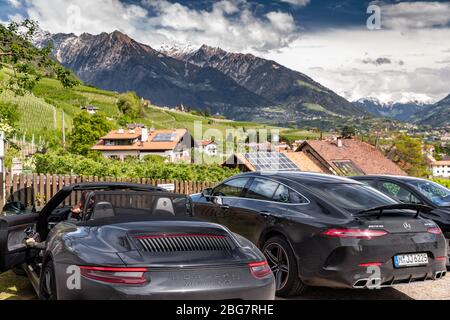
{"x": 410, "y": 260}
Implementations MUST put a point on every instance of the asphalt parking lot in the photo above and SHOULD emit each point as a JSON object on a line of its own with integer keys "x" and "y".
{"x": 13, "y": 287}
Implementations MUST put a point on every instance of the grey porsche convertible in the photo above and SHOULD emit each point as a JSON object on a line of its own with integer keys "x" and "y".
{"x": 130, "y": 241}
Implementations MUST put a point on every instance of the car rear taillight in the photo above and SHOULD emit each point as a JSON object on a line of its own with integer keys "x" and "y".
{"x": 443, "y": 258}
{"x": 354, "y": 233}
{"x": 436, "y": 230}
{"x": 131, "y": 276}
{"x": 370, "y": 264}
{"x": 260, "y": 269}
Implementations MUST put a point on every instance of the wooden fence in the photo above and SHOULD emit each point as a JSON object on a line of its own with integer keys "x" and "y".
{"x": 38, "y": 189}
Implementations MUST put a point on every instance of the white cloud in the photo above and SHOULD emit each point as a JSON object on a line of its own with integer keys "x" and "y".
{"x": 298, "y": 3}
{"x": 230, "y": 24}
{"x": 15, "y": 3}
{"x": 338, "y": 59}
{"x": 415, "y": 15}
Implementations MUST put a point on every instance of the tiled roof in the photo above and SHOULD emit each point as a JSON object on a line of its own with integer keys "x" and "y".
{"x": 365, "y": 156}
{"x": 125, "y": 135}
{"x": 303, "y": 162}
{"x": 441, "y": 163}
{"x": 148, "y": 145}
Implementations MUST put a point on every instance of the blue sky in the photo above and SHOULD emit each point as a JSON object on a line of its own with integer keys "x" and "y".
{"x": 408, "y": 58}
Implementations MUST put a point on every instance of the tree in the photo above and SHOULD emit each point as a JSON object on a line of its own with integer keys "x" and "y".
{"x": 9, "y": 116}
{"x": 407, "y": 153}
{"x": 87, "y": 130}
{"x": 27, "y": 63}
{"x": 347, "y": 132}
{"x": 130, "y": 105}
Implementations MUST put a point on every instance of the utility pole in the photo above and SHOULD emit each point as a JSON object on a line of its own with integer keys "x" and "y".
{"x": 63, "y": 131}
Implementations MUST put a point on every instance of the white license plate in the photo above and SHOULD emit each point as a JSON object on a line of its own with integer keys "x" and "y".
{"x": 409, "y": 260}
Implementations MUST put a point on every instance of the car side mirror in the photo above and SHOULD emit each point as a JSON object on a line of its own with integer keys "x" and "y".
{"x": 207, "y": 192}
{"x": 217, "y": 200}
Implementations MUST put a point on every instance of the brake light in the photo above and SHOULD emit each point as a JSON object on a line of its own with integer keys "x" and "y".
{"x": 443, "y": 258}
{"x": 436, "y": 230}
{"x": 131, "y": 276}
{"x": 260, "y": 269}
{"x": 354, "y": 233}
{"x": 370, "y": 264}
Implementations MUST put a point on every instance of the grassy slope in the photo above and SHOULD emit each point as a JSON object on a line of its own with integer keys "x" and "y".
{"x": 49, "y": 99}
{"x": 13, "y": 287}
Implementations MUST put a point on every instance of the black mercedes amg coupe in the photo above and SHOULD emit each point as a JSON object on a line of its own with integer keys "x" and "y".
{"x": 130, "y": 242}
{"x": 322, "y": 230}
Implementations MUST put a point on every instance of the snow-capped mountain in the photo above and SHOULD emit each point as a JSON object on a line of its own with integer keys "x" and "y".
{"x": 402, "y": 110}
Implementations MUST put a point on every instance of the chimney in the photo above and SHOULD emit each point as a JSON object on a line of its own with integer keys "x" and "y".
{"x": 120, "y": 131}
{"x": 144, "y": 135}
{"x": 339, "y": 142}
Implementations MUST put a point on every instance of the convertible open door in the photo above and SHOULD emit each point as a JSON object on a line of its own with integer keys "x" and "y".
{"x": 16, "y": 220}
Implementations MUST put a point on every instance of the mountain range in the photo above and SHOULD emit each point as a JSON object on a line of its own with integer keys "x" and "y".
{"x": 401, "y": 111}
{"x": 239, "y": 86}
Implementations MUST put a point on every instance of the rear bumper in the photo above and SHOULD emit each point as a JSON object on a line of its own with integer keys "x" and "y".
{"x": 225, "y": 284}
{"x": 376, "y": 277}
{"x": 338, "y": 266}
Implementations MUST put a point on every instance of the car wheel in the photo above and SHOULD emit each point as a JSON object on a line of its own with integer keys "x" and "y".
{"x": 282, "y": 261}
{"x": 47, "y": 287}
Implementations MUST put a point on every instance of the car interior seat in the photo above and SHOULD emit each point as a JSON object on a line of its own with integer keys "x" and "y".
{"x": 163, "y": 206}
{"x": 103, "y": 210}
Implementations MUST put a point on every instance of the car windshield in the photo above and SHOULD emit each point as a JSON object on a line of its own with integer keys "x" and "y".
{"x": 352, "y": 197}
{"x": 437, "y": 194}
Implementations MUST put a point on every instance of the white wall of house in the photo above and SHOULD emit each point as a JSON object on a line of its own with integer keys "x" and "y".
{"x": 441, "y": 170}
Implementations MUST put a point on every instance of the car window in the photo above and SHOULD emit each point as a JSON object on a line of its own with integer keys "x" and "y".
{"x": 371, "y": 183}
{"x": 231, "y": 188}
{"x": 351, "y": 197}
{"x": 282, "y": 194}
{"x": 296, "y": 198}
{"x": 262, "y": 189}
{"x": 434, "y": 192}
{"x": 398, "y": 192}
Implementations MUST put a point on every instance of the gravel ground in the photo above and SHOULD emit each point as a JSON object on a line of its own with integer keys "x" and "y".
{"x": 13, "y": 287}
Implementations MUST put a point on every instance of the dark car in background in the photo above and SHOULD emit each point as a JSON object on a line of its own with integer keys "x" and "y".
{"x": 323, "y": 230}
{"x": 130, "y": 242}
{"x": 417, "y": 191}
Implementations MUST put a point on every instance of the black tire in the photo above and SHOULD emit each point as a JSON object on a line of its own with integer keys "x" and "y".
{"x": 47, "y": 286}
{"x": 283, "y": 263}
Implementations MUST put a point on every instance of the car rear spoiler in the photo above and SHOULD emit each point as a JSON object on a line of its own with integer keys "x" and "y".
{"x": 400, "y": 206}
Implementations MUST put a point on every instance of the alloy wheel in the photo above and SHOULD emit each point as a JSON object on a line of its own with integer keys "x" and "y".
{"x": 279, "y": 263}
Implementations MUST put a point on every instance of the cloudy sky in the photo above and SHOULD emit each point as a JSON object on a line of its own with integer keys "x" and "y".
{"x": 404, "y": 55}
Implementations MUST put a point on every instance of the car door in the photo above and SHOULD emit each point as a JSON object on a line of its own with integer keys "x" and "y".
{"x": 249, "y": 214}
{"x": 18, "y": 218}
{"x": 216, "y": 207}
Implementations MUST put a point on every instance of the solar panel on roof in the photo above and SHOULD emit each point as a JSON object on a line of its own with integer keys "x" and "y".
{"x": 348, "y": 168}
{"x": 271, "y": 161}
{"x": 164, "y": 137}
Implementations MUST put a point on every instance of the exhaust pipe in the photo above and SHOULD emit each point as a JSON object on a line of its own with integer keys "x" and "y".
{"x": 439, "y": 275}
{"x": 360, "y": 284}
{"x": 370, "y": 283}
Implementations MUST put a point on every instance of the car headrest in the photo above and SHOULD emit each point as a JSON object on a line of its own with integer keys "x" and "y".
{"x": 103, "y": 210}
{"x": 163, "y": 206}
